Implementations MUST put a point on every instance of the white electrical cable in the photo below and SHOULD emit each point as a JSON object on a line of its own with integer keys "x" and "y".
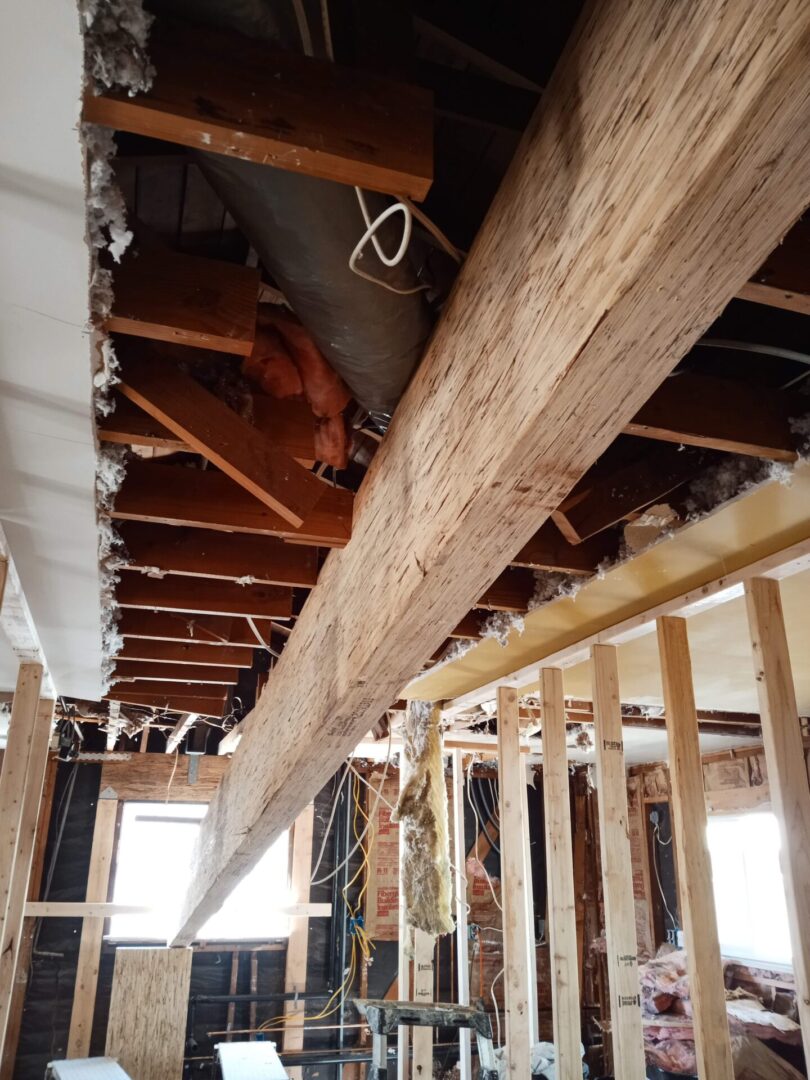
{"x": 328, "y": 828}
{"x": 477, "y": 831}
{"x": 657, "y": 837}
{"x": 495, "y": 1003}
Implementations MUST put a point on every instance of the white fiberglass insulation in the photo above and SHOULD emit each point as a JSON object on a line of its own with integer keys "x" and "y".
{"x": 47, "y": 444}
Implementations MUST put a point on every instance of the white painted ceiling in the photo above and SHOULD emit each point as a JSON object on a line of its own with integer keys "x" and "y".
{"x": 47, "y": 442}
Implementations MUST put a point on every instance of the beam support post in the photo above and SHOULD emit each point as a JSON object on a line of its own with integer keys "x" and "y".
{"x": 689, "y": 821}
{"x": 295, "y": 973}
{"x": 617, "y": 868}
{"x": 787, "y": 774}
{"x": 462, "y": 940}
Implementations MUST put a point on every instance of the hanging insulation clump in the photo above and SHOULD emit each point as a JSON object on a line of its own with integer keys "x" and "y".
{"x": 423, "y": 817}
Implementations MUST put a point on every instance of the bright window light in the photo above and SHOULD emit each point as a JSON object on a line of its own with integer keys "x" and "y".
{"x": 749, "y": 891}
{"x": 153, "y": 869}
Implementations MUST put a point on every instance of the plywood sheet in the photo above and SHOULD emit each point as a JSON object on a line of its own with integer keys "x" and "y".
{"x": 146, "y": 1031}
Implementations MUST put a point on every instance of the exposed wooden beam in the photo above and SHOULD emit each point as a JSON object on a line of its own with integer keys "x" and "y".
{"x": 783, "y": 280}
{"x": 721, "y": 414}
{"x": 126, "y": 670}
{"x": 170, "y": 697}
{"x": 206, "y": 553}
{"x": 205, "y": 303}
{"x": 599, "y": 501}
{"x": 289, "y": 424}
{"x": 173, "y": 495}
{"x": 470, "y": 626}
{"x": 561, "y": 903}
{"x": 510, "y": 591}
{"x": 181, "y": 729}
{"x": 140, "y": 650}
{"x": 694, "y": 868}
{"x": 617, "y": 869}
{"x": 204, "y": 597}
{"x": 548, "y": 549}
{"x": 222, "y": 436}
{"x": 595, "y": 273}
{"x": 189, "y": 629}
{"x": 219, "y": 91}
{"x": 787, "y": 774}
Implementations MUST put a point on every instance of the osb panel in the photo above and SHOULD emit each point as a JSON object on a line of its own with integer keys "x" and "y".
{"x": 162, "y": 777}
{"x": 146, "y": 1030}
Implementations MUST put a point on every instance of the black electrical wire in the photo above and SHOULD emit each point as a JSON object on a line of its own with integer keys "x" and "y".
{"x": 485, "y": 816}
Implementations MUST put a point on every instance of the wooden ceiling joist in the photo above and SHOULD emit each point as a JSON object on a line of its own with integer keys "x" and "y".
{"x": 548, "y": 549}
{"x": 204, "y": 597}
{"x": 289, "y": 423}
{"x": 510, "y": 591}
{"x": 126, "y": 670}
{"x": 207, "y": 303}
{"x": 219, "y": 91}
{"x": 205, "y": 553}
{"x": 191, "y": 629}
{"x": 607, "y": 252}
{"x": 783, "y": 281}
{"x": 221, "y": 435}
{"x": 142, "y": 650}
{"x": 174, "y": 495}
{"x": 188, "y": 701}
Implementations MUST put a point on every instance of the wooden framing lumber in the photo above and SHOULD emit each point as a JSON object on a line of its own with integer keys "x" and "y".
{"x": 173, "y": 495}
{"x": 689, "y": 829}
{"x": 460, "y": 891}
{"x": 428, "y": 540}
{"x": 721, "y": 414}
{"x": 167, "y": 296}
{"x": 154, "y": 778}
{"x": 548, "y": 549}
{"x": 221, "y": 435}
{"x": 181, "y": 729}
{"x": 126, "y": 670}
{"x": 140, "y": 650}
{"x": 783, "y": 281}
{"x": 98, "y": 881}
{"x": 295, "y": 970}
{"x": 51, "y": 909}
{"x": 225, "y": 93}
{"x": 190, "y": 629}
{"x": 169, "y": 696}
{"x": 787, "y": 775}
{"x": 204, "y": 597}
{"x": 289, "y": 424}
{"x": 14, "y": 915}
{"x": 561, "y": 904}
{"x": 511, "y": 779}
{"x": 146, "y": 1031}
{"x": 617, "y": 869}
{"x": 510, "y": 591}
{"x": 424, "y": 950}
{"x": 260, "y": 560}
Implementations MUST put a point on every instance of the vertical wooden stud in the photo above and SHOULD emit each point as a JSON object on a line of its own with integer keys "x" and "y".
{"x": 513, "y": 886}
{"x": 787, "y": 774}
{"x": 531, "y": 947}
{"x": 295, "y": 974}
{"x": 562, "y": 921}
{"x": 462, "y": 941}
{"x": 689, "y": 821}
{"x": 423, "y": 950}
{"x": 403, "y": 958}
{"x": 617, "y": 869}
{"x": 98, "y": 881}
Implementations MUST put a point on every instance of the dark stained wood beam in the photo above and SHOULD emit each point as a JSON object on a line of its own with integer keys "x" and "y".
{"x": 204, "y": 597}
{"x": 475, "y": 99}
{"x": 548, "y": 549}
{"x": 288, "y": 424}
{"x": 142, "y": 650}
{"x": 221, "y": 435}
{"x": 510, "y": 591}
{"x": 721, "y": 414}
{"x": 129, "y": 670}
{"x": 231, "y": 557}
{"x": 219, "y": 91}
{"x": 166, "y": 296}
{"x": 186, "y": 700}
{"x": 191, "y": 629}
{"x": 470, "y": 626}
{"x": 599, "y": 501}
{"x": 783, "y": 281}
{"x": 174, "y": 495}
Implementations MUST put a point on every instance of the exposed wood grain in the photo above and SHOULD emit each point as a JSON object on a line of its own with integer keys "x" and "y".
{"x": 700, "y": 167}
{"x": 147, "y": 779}
{"x": 190, "y": 629}
{"x": 139, "y": 650}
{"x": 689, "y": 828}
{"x": 146, "y": 1031}
{"x": 787, "y": 773}
{"x": 295, "y": 970}
{"x": 169, "y": 696}
{"x": 205, "y": 303}
{"x": 192, "y": 673}
{"x": 180, "y": 730}
{"x": 222, "y": 92}
{"x": 722, "y": 414}
{"x": 12, "y": 928}
{"x": 221, "y": 435}
{"x": 289, "y": 424}
{"x": 617, "y": 869}
{"x": 98, "y": 881}
{"x": 173, "y": 495}
{"x": 205, "y": 553}
{"x": 513, "y": 886}
{"x": 204, "y": 597}
{"x": 561, "y": 906}
{"x": 783, "y": 281}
